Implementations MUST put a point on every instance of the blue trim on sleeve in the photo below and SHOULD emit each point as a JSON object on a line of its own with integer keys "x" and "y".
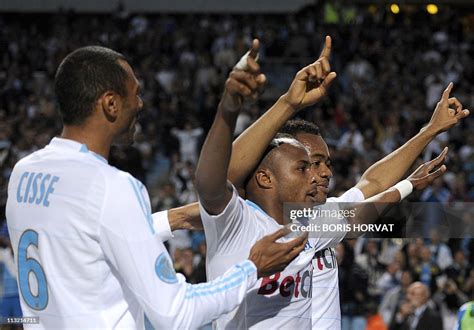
{"x": 143, "y": 205}
{"x": 225, "y": 283}
{"x": 245, "y": 266}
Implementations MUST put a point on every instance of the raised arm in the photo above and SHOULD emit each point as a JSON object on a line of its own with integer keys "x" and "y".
{"x": 372, "y": 208}
{"x": 245, "y": 76}
{"x": 308, "y": 87}
{"x": 387, "y": 171}
{"x": 211, "y": 172}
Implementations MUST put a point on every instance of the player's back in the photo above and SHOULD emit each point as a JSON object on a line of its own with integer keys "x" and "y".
{"x": 54, "y": 205}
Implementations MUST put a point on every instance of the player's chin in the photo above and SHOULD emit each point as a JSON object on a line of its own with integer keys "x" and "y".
{"x": 319, "y": 198}
{"x": 322, "y": 197}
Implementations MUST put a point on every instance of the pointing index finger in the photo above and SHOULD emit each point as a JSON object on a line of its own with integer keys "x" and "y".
{"x": 326, "y": 52}
{"x": 446, "y": 92}
{"x": 255, "y": 47}
{"x": 438, "y": 160}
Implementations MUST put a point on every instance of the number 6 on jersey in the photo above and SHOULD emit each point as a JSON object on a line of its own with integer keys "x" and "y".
{"x": 37, "y": 301}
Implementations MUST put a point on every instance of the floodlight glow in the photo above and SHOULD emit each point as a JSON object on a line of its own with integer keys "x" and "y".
{"x": 432, "y": 9}
{"x": 394, "y": 8}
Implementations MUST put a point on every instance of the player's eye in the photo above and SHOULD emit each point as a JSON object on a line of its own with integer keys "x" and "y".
{"x": 304, "y": 167}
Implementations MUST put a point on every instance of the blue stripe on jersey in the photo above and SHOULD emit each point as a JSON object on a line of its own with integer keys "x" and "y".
{"x": 256, "y": 207}
{"x": 99, "y": 157}
{"x": 228, "y": 282}
{"x": 244, "y": 265}
{"x": 219, "y": 282}
{"x": 84, "y": 148}
{"x": 143, "y": 205}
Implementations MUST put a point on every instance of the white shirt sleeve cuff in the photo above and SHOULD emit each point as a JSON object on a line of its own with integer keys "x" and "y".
{"x": 162, "y": 225}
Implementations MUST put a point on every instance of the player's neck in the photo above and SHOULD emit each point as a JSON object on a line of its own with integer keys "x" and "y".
{"x": 92, "y": 139}
{"x": 272, "y": 208}
{"x": 276, "y": 213}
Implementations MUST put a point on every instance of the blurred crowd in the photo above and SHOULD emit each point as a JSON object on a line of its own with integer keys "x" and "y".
{"x": 375, "y": 278}
{"x": 391, "y": 71}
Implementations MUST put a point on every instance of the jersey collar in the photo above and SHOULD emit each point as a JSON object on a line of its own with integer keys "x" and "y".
{"x": 74, "y": 145}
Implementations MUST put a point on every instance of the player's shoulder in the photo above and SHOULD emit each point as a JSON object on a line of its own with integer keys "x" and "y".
{"x": 27, "y": 160}
{"x": 111, "y": 172}
{"x": 117, "y": 180}
{"x": 29, "y": 163}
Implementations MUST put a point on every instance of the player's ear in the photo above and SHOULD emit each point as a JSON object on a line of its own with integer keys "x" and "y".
{"x": 263, "y": 178}
{"x": 110, "y": 103}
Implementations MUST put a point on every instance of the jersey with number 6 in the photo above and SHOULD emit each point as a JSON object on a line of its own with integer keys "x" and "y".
{"x": 89, "y": 255}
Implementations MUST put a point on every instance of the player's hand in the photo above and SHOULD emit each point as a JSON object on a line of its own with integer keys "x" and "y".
{"x": 271, "y": 257}
{"x": 424, "y": 175}
{"x": 447, "y": 113}
{"x": 245, "y": 82}
{"x": 185, "y": 217}
{"x": 311, "y": 82}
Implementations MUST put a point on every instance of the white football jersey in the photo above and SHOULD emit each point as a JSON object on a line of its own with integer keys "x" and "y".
{"x": 89, "y": 254}
{"x": 282, "y": 300}
{"x": 325, "y": 302}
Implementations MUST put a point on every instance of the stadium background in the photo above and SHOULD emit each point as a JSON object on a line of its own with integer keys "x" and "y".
{"x": 393, "y": 61}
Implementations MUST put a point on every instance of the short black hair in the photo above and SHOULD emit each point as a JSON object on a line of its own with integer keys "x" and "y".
{"x": 278, "y": 140}
{"x": 295, "y": 126}
{"x": 267, "y": 157}
{"x": 83, "y": 76}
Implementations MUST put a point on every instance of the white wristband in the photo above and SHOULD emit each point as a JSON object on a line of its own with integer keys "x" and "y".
{"x": 404, "y": 187}
{"x": 242, "y": 63}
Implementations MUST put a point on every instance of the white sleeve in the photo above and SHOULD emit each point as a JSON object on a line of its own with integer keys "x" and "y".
{"x": 353, "y": 195}
{"x": 129, "y": 242}
{"x": 162, "y": 225}
{"x": 227, "y": 232}
{"x": 324, "y": 239}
